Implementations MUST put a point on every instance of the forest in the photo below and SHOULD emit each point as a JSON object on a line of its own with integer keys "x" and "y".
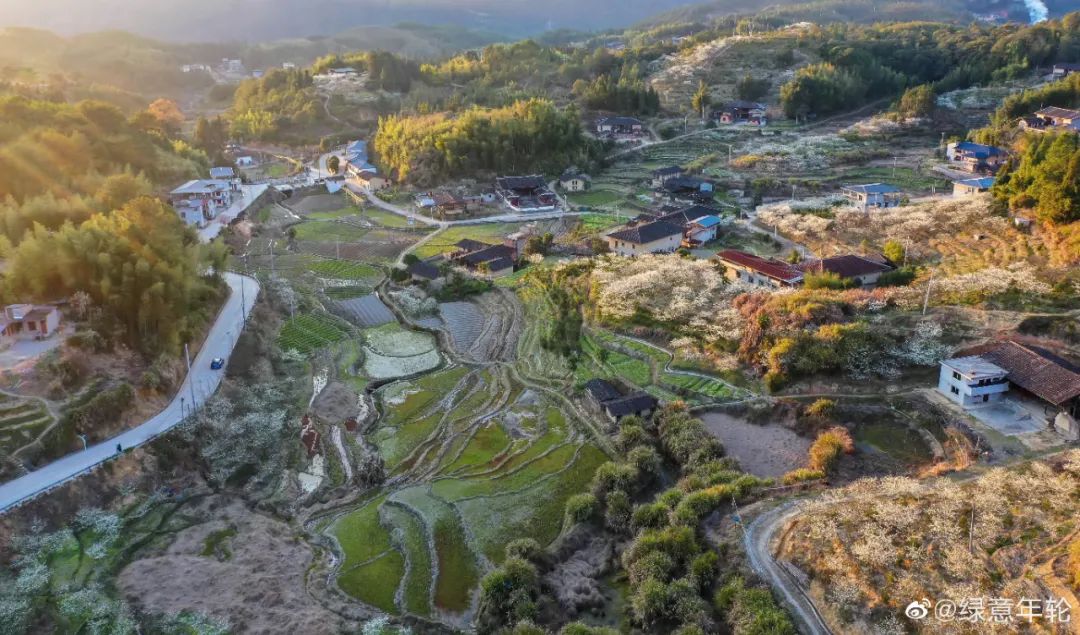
{"x": 1045, "y": 177}
{"x": 861, "y": 64}
{"x": 274, "y": 103}
{"x": 528, "y": 136}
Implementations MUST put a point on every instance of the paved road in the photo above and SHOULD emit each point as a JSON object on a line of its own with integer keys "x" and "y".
{"x": 197, "y": 386}
{"x": 757, "y": 540}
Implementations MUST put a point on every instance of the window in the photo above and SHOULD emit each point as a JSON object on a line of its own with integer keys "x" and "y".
{"x": 955, "y": 390}
{"x": 955, "y": 375}
{"x": 986, "y": 398}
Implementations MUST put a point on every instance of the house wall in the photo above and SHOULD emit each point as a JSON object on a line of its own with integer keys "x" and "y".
{"x": 704, "y": 235}
{"x": 736, "y": 273}
{"x": 623, "y": 248}
{"x": 574, "y": 185}
{"x": 964, "y": 393}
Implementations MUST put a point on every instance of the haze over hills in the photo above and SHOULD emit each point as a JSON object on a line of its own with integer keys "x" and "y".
{"x": 255, "y": 20}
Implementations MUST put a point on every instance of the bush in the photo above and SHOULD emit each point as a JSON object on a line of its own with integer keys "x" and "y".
{"x": 581, "y": 508}
{"x": 577, "y": 628}
{"x": 650, "y": 516}
{"x": 802, "y": 475}
{"x": 614, "y": 476}
{"x": 750, "y": 611}
{"x": 398, "y": 274}
{"x": 820, "y": 409}
{"x": 901, "y": 277}
{"x": 88, "y": 340}
{"x": 617, "y": 514}
{"x": 508, "y": 595}
{"x": 525, "y": 549}
{"x": 827, "y": 448}
{"x": 1074, "y": 563}
{"x": 774, "y": 381}
{"x": 827, "y": 280}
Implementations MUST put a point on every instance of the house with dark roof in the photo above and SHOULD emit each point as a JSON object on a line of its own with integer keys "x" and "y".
{"x": 223, "y": 173}
{"x": 606, "y": 398}
{"x": 525, "y": 193}
{"x": 741, "y": 111}
{"x": 422, "y": 271}
{"x": 619, "y": 126}
{"x": 747, "y": 268}
{"x": 975, "y": 157}
{"x": 861, "y": 270}
{"x": 573, "y": 180}
{"x": 877, "y": 195}
{"x": 1034, "y": 372}
{"x": 485, "y": 258}
{"x": 971, "y": 187}
{"x": 1064, "y": 69}
{"x": 1055, "y": 117}
{"x": 686, "y": 190}
{"x": 663, "y": 175}
{"x": 646, "y": 238}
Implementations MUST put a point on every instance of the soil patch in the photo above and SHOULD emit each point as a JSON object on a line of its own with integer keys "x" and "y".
{"x": 762, "y": 450}
{"x": 254, "y": 578}
{"x": 320, "y": 203}
{"x": 336, "y": 403}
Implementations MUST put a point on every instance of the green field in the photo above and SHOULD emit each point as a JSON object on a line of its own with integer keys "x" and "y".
{"x": 594, "y": 198}
{"x": 329, "y": 231}
{"x": 311, "y": 331}
{"x": 446, "y": 240}
{"x": 345, "y": 270}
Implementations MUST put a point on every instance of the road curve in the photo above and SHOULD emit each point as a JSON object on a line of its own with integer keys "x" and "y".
{"x": 197, "y": 387}
{"x": 756, "y": 540}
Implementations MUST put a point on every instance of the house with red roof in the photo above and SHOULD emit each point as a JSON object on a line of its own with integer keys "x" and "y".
{"x": 747, "y": 268}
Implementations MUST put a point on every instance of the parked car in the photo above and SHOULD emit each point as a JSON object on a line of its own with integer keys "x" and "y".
{"x": 217, "y": 363}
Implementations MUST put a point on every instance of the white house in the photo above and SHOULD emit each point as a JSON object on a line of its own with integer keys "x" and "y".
{"x": 703, "y": 229}
{"x": 971, "y": 187}
{"x": 29, "y": 321}
{"x": 972, "y": 381}
{"x": 201, "y": 200}
{"x": 647, "y": 238}
{"x": 880, "y": 195}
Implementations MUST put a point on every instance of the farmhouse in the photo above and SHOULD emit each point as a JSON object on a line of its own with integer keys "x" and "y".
{"x": 344, "y": 71}
{"x": 421, "y": 271}
{"x": 619, "y": 126}
{"x": 1034, "y": 372}
{"x": 755, "y": 270}
{"x": 686, "y": 190}
{"x": 485, "y": 258}
{"x": 574, "y": 181}
{"x": 1059, "y": 117}
{"x": 370, "y": 180}
{"x": 661, "y": 176}
{"x": 201, "y": 200}
{"x": 223, "y": 173}
{"x": 863, "y": 271}
{"x": 879, "y": 195}
{"x": 975, "y": 157}
{"x": 971, "y": 187}
{"x": 647, "y": 238}
{"x": 525, "y": 193}
{"x": 606, "y": 398}
{"x": 741, "y": 111}
{"x": 701, "y": 230}
{"x": 29, "y": 321}
{"x": 1064, "y": 69}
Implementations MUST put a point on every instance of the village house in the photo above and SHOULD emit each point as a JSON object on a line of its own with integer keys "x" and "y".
{"x": 574, "y": 181}
{"x": 1064, "y": 69}
{"x": 612, "y": 126}
{"x": 344, "y": 71}
{"x": 878, "y": 195}
{"x": 863, "y": 271}
{"x": 607, "y": 399}
{"x": 741, "y": 111}
{"x": 525, "y": 193}
{"x": 200, "y": 200}
{"x": 370, "y": 180}
{"x": 223, "y": 173}
{"x": 971, "y": 187}
{"x": 686, "y": 190}
{"x": 747, "y": 268}
{"x": 701, "y": 230}
{"x": 356, "y": 158}
{"x": 29, "y": 321}
{"x": 1054, "y": 117}
{"x": 975, "y": 157}
{"x": 647, "y": 238}
{"x": 485, "y": 258}
{"x": 661, "y": 176}
{"x": 1035, "y": 374}
{"x": 422, "y": 271}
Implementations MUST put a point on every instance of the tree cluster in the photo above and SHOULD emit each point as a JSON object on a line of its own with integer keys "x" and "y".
{"x": 1045, "y": 178}
{"x": 264, "y": 107}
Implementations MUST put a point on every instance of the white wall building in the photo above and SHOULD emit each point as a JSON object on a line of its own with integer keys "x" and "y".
{"x": 972, "y": 381}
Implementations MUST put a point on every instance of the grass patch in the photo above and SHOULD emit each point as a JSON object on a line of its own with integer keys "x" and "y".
{"x": 594, "y": 197}
{"x": 216, "y": 544}
{"x": 458, "y": 573}
{"x": 345, "y": 270}
{"x": 412, "y": 539}
{"x": 329, "y": 231}
{"x": 447, "y": 239}
{"x": 708, "y": 387}
{"x": 487, "y": 444}
{"x": 360, "y": 535}
{"x": 310, "y": 332}
{"x": 376, "y": 582}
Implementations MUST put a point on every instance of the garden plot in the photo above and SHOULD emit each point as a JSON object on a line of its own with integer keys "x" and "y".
{"x": 391, "y": 351}
{"x": 22, "y": 421}
{"x": 366, "y": 311}
{"x": 463, "y": 321}
{"x": 311, "y": 331}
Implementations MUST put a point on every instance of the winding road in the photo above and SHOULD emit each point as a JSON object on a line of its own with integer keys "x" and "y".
{"x": 198, "y": 386}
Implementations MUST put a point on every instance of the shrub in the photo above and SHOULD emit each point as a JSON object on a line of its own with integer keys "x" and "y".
{"x": 655, "y": 565}
{"x": 577, "y": 628}
{"x": 581, "y": 508}
{"x": 617, "y": 514}
{"x": 508, "y": 595}
{"x": 820, "y": 409}
{"x": 399, "y": 275}
{"x": 525, "y": 549}
{"x": 704, "y": 567}
{"x": 802, "y": 475}
{"x": 89, "y": 340}
{"x": 750, "y": 611}
{"x": 650, "y": 516}
{"x": 645, "y": 460}
{"x": 774, "y": 381}
{"x": 827, "y": 280}
{"x": 828, "y": 447}
{"x": 613, "y": 476}
{"x": 901, "y": 277}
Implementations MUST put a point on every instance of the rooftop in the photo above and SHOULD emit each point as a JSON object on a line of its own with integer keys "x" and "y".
{"x": 707, "y": 221}
{"x": 1054, "y": 111}
{"x": 602, "y": 390}
{"x": 873, "y": 188}
{"x": 1036, "y": 370}
{"x": 982, "y": 183}
{"x": 765, "y": 266}
{"x": 974, "y": 367}
{"x": 202, "y": 186}
{"x": 534, "y": 182}
{"x": 620, "y": 121}
{"x": 846, "y": 266}
{"x": 647, "y": 232}
{"x": 423, "y": 270}
{"x": 224, "y": 172}
{"x": 631, "y": 405}
{"x": 668, "y": 171}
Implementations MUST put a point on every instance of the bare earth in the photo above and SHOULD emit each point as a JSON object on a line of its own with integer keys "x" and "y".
{"x": 259, "y": 589}
{"x": 762, "y": 450}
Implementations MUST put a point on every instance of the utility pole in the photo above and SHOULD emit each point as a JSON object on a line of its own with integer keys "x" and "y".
{"x": 926, "y": 300}
{"x": 271, "y": 257}
{"x": 191, "y": 378}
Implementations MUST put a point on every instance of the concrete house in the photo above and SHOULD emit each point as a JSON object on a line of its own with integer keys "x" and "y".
{"x": 1054, "y": 117}
{"x": 747, "y": 268}
{"x": 1064, "y": 69}
{"x": 201, "y": 200}
{"x": 975, "y": 157}
{"x": 619, "y": 126}
{"x": 970, "y": 381}
{"x": 877, "y": 195}
{"x": 526, "y": 193}
{"x": 574, "y": 181}
{"x": 371, "y": 181}
{"x": 741, "y": 111}
{"x": 647, "y": 238}
{"x": 29, "y": 321}
{"x": 661, "y": 176}
{"x": 702, "y": 229}
{"x": 971, "y": 187}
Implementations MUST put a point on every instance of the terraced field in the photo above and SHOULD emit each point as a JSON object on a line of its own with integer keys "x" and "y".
{"x": 22, "y": 421}
{"x": 309, "y": 332}
{"x": 476, "y": 460}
